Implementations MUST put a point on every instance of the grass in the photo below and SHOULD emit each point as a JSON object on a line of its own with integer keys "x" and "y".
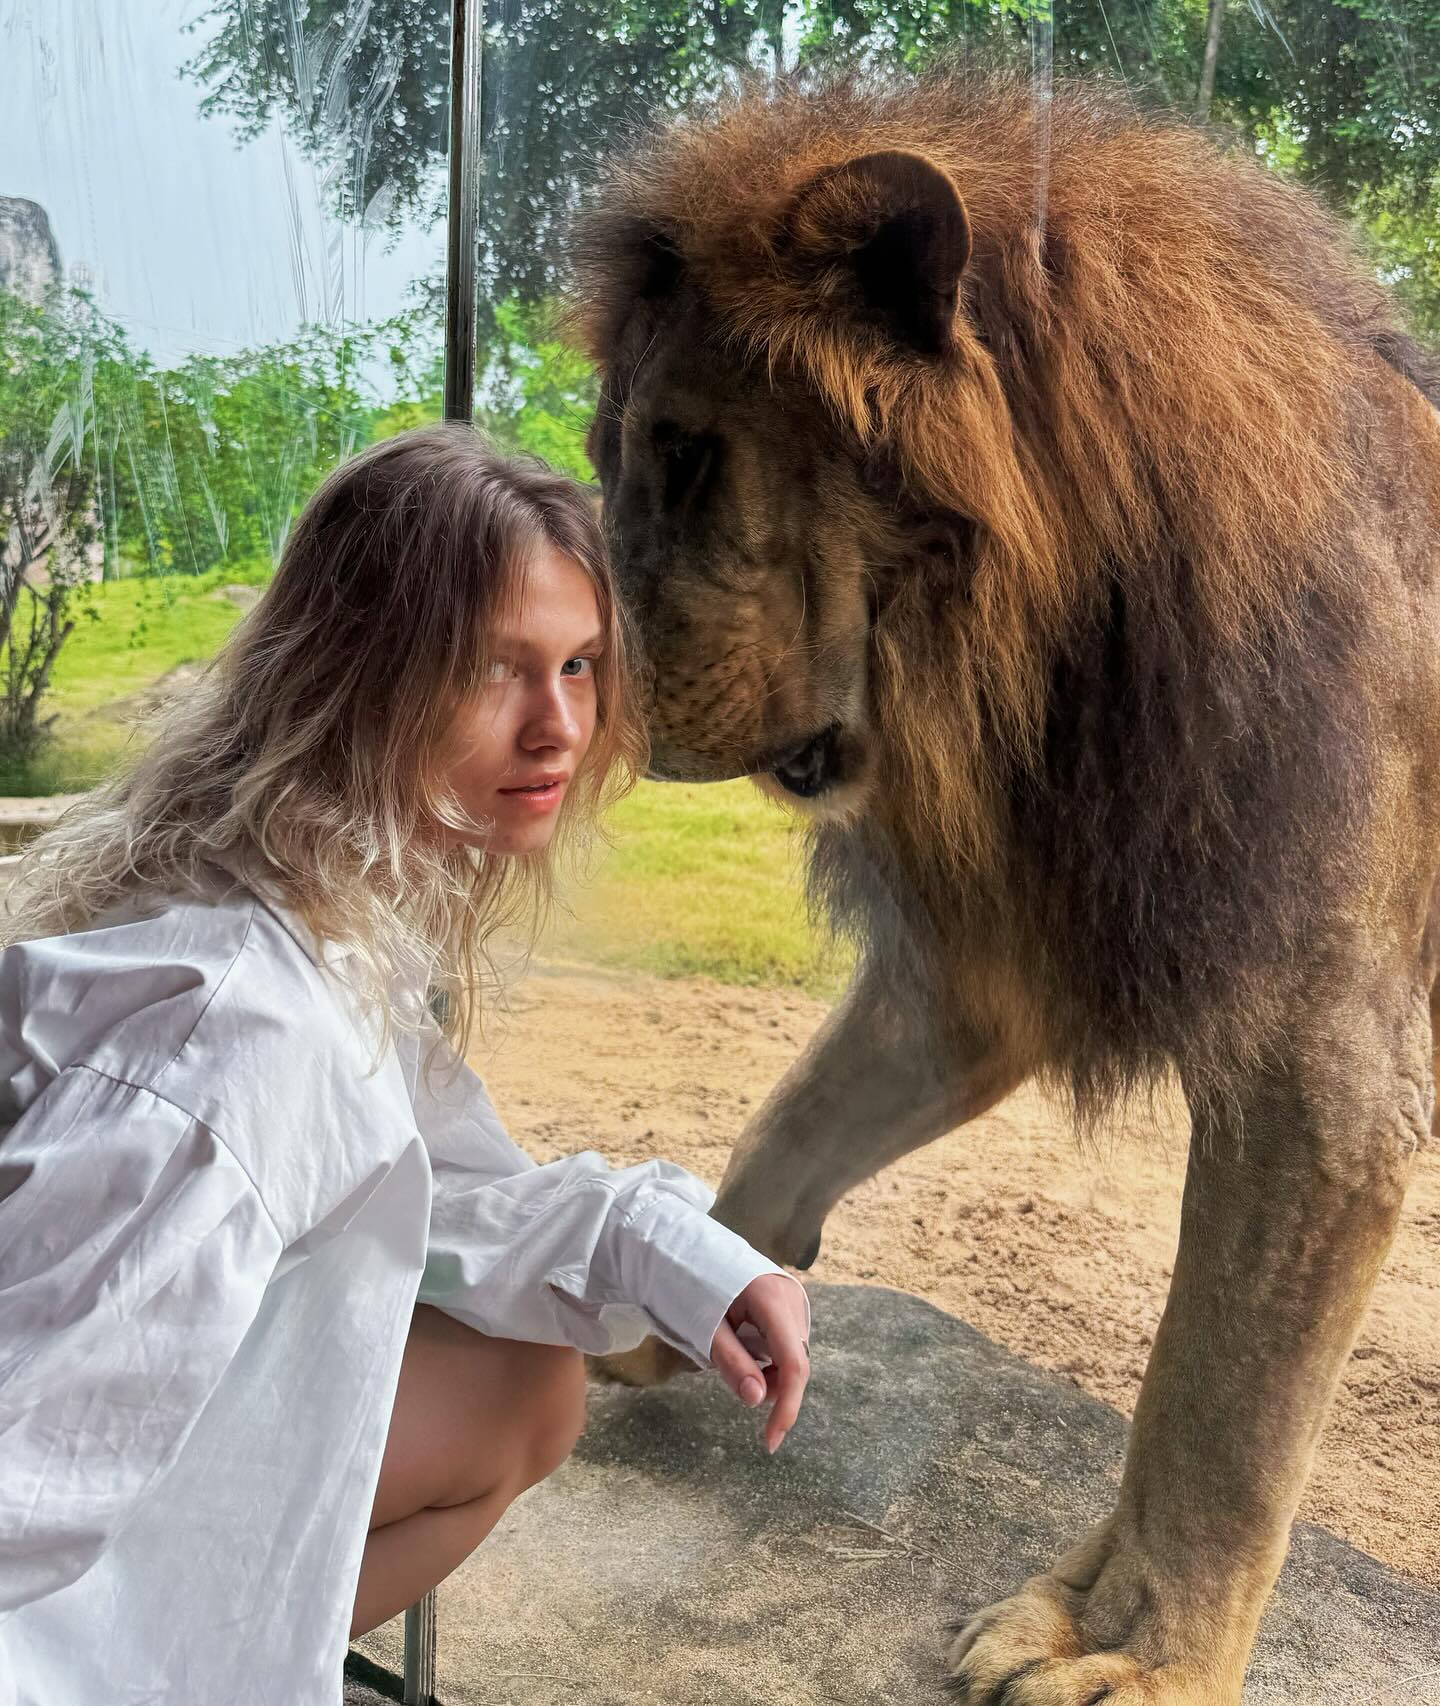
{"x": 698, "y": 881}
{"x": 128, "y": 634}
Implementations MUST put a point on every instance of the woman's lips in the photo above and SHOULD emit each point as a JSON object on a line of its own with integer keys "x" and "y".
{"x": 537, "y": 796}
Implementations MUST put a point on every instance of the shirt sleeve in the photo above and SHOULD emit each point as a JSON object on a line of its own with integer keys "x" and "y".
{"x": 574, "y": 1252}
{"x": 134, "y": 1254}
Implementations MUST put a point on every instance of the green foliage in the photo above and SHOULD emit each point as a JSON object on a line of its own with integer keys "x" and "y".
{"x": 1405, "y": 237}
{"x": 223, "y": 449}
{"x": 106, "y": 459}
{"x": 536, "y": 392}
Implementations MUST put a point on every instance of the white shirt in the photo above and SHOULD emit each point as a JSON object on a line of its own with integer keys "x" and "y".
{"x": 216, "y": 1215}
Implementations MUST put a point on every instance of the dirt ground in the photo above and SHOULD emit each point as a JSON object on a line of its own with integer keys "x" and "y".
{"x": 1062, "y": 1257}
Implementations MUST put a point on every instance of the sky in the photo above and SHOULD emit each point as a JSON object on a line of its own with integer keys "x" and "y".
{"x": 194, "y": 242}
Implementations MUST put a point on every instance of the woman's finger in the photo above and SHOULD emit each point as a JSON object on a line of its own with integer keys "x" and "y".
{"x": 737, "y": 1368}
{"x": 775, "y": 1307}
{"x": 788, "y": 1375}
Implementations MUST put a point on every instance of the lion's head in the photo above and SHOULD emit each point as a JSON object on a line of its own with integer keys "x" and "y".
{"x": 751, "y": 521}
{"x": 860, "y": 336}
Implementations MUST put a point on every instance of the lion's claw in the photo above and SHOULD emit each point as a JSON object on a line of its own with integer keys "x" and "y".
{"x": 1029, "y": 1651}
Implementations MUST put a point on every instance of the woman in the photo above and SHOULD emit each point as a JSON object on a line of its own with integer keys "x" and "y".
{"x": 235, "y": 1148}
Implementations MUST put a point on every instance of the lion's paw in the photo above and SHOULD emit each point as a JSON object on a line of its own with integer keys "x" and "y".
{"x": 1027, "y": 1651}
{"x": 649, "y": 1364}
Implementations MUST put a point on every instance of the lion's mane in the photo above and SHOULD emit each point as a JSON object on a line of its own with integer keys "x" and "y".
{"x": 1123, "y": 663}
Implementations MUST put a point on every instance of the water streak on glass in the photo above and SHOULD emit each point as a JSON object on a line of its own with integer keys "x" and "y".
{"x": 1042, "y": 87}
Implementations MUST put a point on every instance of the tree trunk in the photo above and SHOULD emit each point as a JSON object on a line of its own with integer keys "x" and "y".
{"x": 1212, "y": 53}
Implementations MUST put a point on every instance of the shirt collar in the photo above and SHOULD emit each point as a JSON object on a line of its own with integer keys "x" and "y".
{"x": 319, "y": 950}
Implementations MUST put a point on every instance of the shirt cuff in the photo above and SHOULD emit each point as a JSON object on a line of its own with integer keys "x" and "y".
{"x": 686, "y": 1269}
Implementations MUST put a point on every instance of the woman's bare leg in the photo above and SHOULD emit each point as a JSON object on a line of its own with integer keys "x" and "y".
{"x": 476, "y": 1421}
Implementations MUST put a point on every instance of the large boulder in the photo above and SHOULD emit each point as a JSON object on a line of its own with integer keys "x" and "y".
{"x": 672, "y": 1563}
{"x": 29, "y": 254}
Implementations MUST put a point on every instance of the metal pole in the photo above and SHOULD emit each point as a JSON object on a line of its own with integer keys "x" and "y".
{"x": 420, "y": 1652}
{"x": 467, "y": 18}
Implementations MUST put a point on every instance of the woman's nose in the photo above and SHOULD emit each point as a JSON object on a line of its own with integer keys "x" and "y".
{"x": 552, "y": 720}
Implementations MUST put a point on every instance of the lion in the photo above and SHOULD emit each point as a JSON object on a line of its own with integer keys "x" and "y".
{"x": 1047, "y": 503}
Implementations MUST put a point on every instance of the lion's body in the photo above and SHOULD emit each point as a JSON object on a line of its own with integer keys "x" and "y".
{"x": 1192, "y": 497}
{"x": 1075, "y": 492}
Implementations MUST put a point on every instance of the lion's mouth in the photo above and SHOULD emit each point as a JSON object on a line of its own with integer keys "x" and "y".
{"x": 818, "y": 765}
{"x": 812, "y": 767}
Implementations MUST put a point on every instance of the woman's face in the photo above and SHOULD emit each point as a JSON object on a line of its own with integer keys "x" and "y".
{"x": 515, "y": 747}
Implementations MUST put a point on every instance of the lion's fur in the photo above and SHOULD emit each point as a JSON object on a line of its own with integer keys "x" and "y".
{"x": 1124, "y": 659}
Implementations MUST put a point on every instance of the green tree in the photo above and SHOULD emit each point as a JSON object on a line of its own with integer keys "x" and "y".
{"x": 536, "y": 392}
{"x": 57, "y": 361}
{"x": 1354, "y": 84}
{"x": 362, "y": 84}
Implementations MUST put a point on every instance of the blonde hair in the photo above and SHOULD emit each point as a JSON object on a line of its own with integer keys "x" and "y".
{"x": 306, "y": 762}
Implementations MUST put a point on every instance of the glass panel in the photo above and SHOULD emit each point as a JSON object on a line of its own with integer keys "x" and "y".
{"x": 1340, "y": 95}
{"x": 221, "y": 269}
{"x": 706, "y": 877}
{"x": 221, "y": 253}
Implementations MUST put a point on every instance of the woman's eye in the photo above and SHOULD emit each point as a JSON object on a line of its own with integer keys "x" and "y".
{"x": 499, "y": 670}
{"x": 578, "y": 667}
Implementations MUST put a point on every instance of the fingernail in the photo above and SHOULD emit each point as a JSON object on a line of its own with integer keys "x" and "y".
{"x": 751, "y": 1390}
{"x": 778, "y": 1443}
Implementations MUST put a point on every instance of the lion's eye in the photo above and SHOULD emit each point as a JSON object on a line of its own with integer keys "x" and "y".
{"x": 602, "y": 442}
{"x": 689, "y": 460}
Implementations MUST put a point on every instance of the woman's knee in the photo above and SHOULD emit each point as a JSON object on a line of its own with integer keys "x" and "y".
{"x": 544, "y": 1415}
{"x": 476, "y": 1417}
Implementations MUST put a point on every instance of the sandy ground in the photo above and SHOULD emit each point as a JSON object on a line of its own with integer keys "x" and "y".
{"x": 1061, "y": 1256}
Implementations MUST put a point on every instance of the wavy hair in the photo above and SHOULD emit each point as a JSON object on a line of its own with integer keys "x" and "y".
{"x": 308, "y": 761}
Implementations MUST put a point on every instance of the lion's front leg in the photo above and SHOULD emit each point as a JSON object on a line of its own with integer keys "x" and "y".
{"x": 875, "y": 1083}
{"x": 878, "y": 1080}
{"x": 1294, "y": 1187}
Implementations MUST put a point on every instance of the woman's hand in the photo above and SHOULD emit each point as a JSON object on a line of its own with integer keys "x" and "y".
{"x": 771, "y": 1318}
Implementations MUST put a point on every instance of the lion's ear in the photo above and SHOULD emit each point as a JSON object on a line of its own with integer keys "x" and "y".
{"x": 631, "y": 263}
{"x": 657, "y": 265}
{"x": 640, "y": 261}
{"x": 894, "y": 227}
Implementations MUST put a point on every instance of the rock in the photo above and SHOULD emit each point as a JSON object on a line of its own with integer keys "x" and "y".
{"x": 672, "y": 1563}
{"x": 242, "y": 597}
{"x": 21, "y": 819}
{"x": 29, "y": 255}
